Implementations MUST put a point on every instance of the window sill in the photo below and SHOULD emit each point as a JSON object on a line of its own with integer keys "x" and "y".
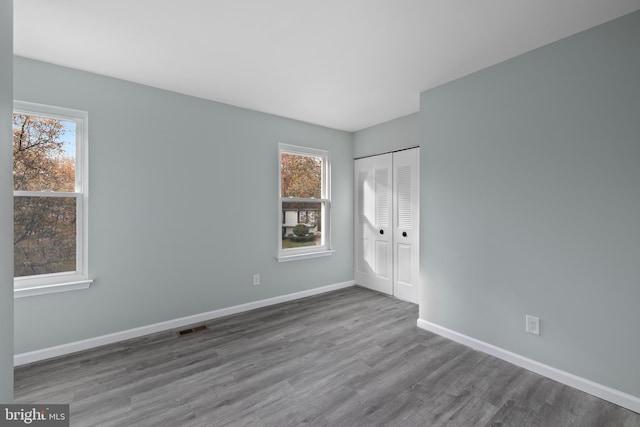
{"x": 52, "y": 288}
{"x": 308, "y": 255}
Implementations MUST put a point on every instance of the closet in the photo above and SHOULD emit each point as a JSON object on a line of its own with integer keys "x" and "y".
{"x": 387, "y": 223}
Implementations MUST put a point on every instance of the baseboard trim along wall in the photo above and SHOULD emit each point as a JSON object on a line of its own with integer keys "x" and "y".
{"x": 61, "y": 350}
{"x": 607, "y": 393}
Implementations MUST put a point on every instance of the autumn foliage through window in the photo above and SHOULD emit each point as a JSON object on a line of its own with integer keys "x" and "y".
{"x": 303, "y": 200}
{"x": 300, "y": 176}
{"x": 45, "y": 202}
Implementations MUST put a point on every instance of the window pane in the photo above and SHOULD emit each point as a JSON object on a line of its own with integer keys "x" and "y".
{"x": 301, "y": 224}
{"x": 44, "y": 151}
{"x": 300, "y": 176}
{"x": 44, "y": 235}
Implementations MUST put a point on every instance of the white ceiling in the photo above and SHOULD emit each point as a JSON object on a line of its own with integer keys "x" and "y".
{"x": 345, "y": 64}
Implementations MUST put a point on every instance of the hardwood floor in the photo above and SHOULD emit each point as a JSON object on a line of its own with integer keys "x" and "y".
{"x": 351, "y": 357}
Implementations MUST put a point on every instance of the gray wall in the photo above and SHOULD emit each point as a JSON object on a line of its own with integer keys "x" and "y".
{"x": 182, "y": 207}
{"x": 531, "y": 204}
{"x": 393, "y": 135}
{"x": 6, "y": 203}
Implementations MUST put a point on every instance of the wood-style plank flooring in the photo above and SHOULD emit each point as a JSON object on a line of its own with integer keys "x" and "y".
{"x": 351, "y": 357}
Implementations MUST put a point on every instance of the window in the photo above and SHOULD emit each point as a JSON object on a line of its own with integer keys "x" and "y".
{"x": 50, "y": 200}
{"x": 303, "y": 203}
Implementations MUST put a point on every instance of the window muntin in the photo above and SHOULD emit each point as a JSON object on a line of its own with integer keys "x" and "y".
{"x": 49, "y": 169}
{"x": 304, "y": 201}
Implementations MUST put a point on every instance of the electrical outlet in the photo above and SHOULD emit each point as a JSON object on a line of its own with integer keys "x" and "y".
{"x": 532, "y": 325}
{"x": 256, "y": 279}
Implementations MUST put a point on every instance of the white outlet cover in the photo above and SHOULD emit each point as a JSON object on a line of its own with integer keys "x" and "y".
{"x": 532, "y": 325}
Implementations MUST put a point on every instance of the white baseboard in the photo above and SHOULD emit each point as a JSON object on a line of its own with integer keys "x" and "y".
{"x": 602, "y": 391}
{"x": 61, "y": 350}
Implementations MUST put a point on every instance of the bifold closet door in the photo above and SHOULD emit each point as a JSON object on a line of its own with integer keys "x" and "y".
{"x": 374, "y": 223}
{"x": 387, "y": 232}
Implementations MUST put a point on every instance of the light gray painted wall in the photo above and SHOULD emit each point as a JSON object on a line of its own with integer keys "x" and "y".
{"x": 389, "y": 136}
{"x": 182, "y": 209}
{"x": 531, "y": 204}
{"x": 6, "y": 202}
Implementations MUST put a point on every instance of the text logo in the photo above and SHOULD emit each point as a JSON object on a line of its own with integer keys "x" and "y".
{"x": 34, "y": 415}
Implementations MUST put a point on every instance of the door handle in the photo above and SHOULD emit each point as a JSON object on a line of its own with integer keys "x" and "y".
{"x": 381, "y": 231}
{"x": 404, "y": 234}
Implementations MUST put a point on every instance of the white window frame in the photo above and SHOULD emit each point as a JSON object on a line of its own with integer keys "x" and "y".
{"x": 68, "y": 281}
{"x": 306, "y": 252}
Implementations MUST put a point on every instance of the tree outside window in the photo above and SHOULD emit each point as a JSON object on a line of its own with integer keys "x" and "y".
{"x": 48, "y": 195}
{"x": 304, "y": 201}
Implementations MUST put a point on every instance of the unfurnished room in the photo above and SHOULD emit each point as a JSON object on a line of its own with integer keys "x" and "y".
{"x": 340, "y": 213}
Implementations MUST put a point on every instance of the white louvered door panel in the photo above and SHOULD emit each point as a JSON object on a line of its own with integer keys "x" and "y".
{"x": 406, "y": 233}
{"x": 374, "y": 223}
